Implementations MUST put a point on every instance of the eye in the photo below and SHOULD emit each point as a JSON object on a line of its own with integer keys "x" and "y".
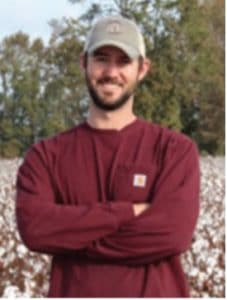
{"x": 124, "y": 61}
{"x": 101, "y": 58}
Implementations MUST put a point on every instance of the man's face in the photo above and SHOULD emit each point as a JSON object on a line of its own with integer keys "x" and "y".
{"x": 111, "y": 77}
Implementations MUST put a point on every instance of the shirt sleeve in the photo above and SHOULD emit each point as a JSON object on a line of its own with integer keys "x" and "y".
{"x": 49, "y": 227}
{"x": 166, "y": 228}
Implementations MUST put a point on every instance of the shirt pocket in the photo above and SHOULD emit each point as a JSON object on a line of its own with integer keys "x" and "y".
{"x": 134, "y": 182}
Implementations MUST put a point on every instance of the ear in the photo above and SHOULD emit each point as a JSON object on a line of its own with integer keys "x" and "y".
{"x": 144, "y": 67}
{"x": 83, "y": 61}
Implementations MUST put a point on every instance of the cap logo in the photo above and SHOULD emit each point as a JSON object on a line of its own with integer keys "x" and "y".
{"x": 113, "y": 27}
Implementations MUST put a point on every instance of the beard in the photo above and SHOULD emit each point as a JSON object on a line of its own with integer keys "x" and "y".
{"x": 100, "y": 101}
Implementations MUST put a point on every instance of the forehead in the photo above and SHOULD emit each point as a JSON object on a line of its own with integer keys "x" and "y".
{"x": 110, "y": 51}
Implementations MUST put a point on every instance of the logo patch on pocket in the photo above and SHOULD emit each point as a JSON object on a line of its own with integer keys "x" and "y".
{"x": 139, "y": 180}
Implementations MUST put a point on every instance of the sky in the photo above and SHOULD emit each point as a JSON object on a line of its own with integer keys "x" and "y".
{"x": 32, "y": 16}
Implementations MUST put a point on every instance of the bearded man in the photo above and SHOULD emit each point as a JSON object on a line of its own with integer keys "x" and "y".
{"x": 115, "y": 199}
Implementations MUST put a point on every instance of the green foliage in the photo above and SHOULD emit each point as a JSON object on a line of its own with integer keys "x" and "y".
{"x": 42, "y": 89}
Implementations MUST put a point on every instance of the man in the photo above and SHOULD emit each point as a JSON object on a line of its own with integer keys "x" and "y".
{"x": 115, "y": 199}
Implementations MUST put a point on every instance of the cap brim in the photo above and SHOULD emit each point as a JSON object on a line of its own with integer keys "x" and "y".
{"x": 129, "y": 51}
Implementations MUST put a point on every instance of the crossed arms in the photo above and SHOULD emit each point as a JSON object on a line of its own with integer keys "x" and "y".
{"x": 113, "y": 231}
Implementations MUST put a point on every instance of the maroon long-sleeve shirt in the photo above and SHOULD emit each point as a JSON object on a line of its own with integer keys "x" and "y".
{"x": 74, "y": 201}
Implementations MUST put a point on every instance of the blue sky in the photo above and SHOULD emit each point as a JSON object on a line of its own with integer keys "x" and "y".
{"x": 32, "y": 16}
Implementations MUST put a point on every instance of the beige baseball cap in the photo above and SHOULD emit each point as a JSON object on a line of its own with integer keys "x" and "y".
{"x": 119, "y": 32}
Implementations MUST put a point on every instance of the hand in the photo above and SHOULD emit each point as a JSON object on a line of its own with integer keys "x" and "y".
{"x": 139, "y": 208}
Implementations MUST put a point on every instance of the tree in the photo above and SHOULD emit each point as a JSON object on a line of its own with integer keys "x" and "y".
{"x": 40, "y": 88}
{"x": 19, "y": 93}
{"x": 185, "y": 42}
{"x": 66, "y": 86}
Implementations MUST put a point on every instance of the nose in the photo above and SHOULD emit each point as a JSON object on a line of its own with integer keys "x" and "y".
{"x": 111, "y": 69}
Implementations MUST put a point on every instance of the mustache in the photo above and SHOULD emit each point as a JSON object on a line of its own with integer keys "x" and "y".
{"x": 108, "y": 79}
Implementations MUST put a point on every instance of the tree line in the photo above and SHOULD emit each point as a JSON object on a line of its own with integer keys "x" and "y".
{"x": 43, "y": 92}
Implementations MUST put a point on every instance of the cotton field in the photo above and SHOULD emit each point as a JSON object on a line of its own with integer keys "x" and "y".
{"x": 26, "y": 274}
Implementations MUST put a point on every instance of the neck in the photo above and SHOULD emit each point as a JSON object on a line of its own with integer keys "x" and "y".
{"x": 117, "y": 120}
